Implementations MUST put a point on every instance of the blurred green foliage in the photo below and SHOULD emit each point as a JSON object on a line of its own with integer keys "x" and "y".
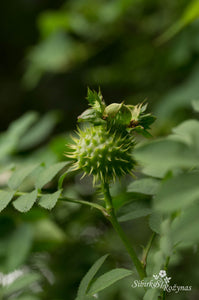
{"x": 133, "y": 49}
{"x": 123, "y": 46}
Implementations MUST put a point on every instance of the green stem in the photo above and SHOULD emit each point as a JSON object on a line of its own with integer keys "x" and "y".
{"x": 147, "y": 249}
{"x": 91, "y": 204}
{"x": 166, "y": 269}
{"x": 164, "y": 295}
{"x": 113, "y": 219}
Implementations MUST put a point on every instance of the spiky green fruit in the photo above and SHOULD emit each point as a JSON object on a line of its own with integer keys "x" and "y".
{"x": 104, "y": 154}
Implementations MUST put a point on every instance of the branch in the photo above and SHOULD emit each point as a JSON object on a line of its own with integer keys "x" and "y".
{"x": 91, "y": 204}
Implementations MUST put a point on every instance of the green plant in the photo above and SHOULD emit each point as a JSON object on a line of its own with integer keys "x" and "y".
{"x": 104, "y": 149}
{"x": 166, "y": 192}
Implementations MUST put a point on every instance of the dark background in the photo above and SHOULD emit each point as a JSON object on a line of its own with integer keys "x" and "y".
{"x": 127, "y": 61}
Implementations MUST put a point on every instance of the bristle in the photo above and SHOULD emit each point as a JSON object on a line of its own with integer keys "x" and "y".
{"x": 91, "y": 170}
{"x": 84, "y": 174}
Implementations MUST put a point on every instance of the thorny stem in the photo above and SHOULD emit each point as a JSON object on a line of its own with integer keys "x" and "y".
{"x": 113, "y": 219}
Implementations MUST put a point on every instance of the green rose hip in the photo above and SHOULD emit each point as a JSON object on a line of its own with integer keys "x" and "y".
{"x": 104, "y": 154}
{"x": 104, "y": 147}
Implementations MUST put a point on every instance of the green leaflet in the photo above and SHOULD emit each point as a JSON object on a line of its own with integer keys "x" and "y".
{"x": 146, "y": 186}
{"x": 155, "y": 221}
{"x": 25, "y": 202}
{"x": 160, "y": 156}
{"x": 195, "y": 104}
{"x": 187, "y": 132}
{"x": 48, "y": 201}
{"x": 133, "y": 210}
{"x": 19, "y": 175}
{"x": 16, "y": 130}
{"x": 166, "y": 246}
{"x": 151, "y": 294}
{"x": 178, "y": 192}
{"x": 49, "y": 173}
{"x": 108, "y": 279}
{"x": 17, "y": 250}
{"x": 184, "y": 229}
{"x": 39, "y": 131}
{"x": 5, "y": 198}
{"x": 84, "y": 284}
{"x": 140, "y": 212}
